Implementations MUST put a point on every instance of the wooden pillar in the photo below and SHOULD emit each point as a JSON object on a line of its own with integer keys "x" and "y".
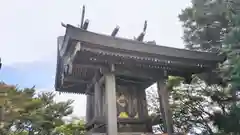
{"x": 97, "y": 98}
{"x": 101, "y": 96}
{"x": 103, "y": 99}
{"x": 92, "y": 110}
{"x": 100, "y": 100}
{"x": 88, "y": 108}
{"x": 110, "y": 91}
{"x": 165, "y": 109}
{"x": 143, "y": 111}
{"x": 160, "y": 86}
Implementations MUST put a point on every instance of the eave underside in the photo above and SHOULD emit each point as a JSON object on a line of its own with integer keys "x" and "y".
{"x": 128, "y": 69}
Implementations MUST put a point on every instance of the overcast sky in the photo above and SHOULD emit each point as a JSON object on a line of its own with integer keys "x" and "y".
{"x": 29, "y": 28}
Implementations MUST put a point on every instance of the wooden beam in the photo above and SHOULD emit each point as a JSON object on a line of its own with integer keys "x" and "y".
{"x": 138, "y": 73}
{"x": 71, "y": 55}
{"x": 131, "y": 81}
{"x": 90, "y": 85}
{"x": 126, "y": 71}
{"x": 73, "y": 88}
{"x": 114, "y": 55}
{"x": 64, "y": 45}
{"x": 74, "y": 80}
{"x": 94, "y": 80}
{"x": 91, "y": 66}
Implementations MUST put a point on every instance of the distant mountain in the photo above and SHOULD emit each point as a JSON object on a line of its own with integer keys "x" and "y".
{"x": 38, "y": 73}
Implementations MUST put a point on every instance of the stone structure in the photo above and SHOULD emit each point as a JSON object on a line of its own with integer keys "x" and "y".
{"x": 114, "y": 73}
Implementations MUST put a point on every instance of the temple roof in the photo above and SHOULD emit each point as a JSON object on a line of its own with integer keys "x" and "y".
{"x": 82, "y": 53}
{"x": 133, "y": 45}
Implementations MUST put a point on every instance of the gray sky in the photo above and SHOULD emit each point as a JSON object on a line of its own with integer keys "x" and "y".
{"x": 29, "y": 27}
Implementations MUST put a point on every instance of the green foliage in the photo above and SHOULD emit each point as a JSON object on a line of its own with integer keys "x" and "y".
{"x": 205, "y": 24}
{"x": 229, "y": 122}
{"x": 192, "y": 105}
{"x": 14, "y": 103}
{"x": 33, "y": 114}
{"x": 209, "y": 25}
{"x": 231, "y": 68}
{"x": 73, "y": 128}
{"x": 174, "y": 81}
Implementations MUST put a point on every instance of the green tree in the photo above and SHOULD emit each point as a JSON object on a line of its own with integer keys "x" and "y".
{"x": 192, "y": 105}
{"x": 31, "y": 113}
{"x": 214, "y": 26}
{"x": 206, "y": 24}
{"x": 46, "y": 117}
{"x": 229, "y": 121}
{"x": 13, "y": 101}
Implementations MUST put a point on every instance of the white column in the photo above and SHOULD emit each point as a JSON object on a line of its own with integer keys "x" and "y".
{"x": 110, "y": 91}
{"x": 164, "y": 101}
